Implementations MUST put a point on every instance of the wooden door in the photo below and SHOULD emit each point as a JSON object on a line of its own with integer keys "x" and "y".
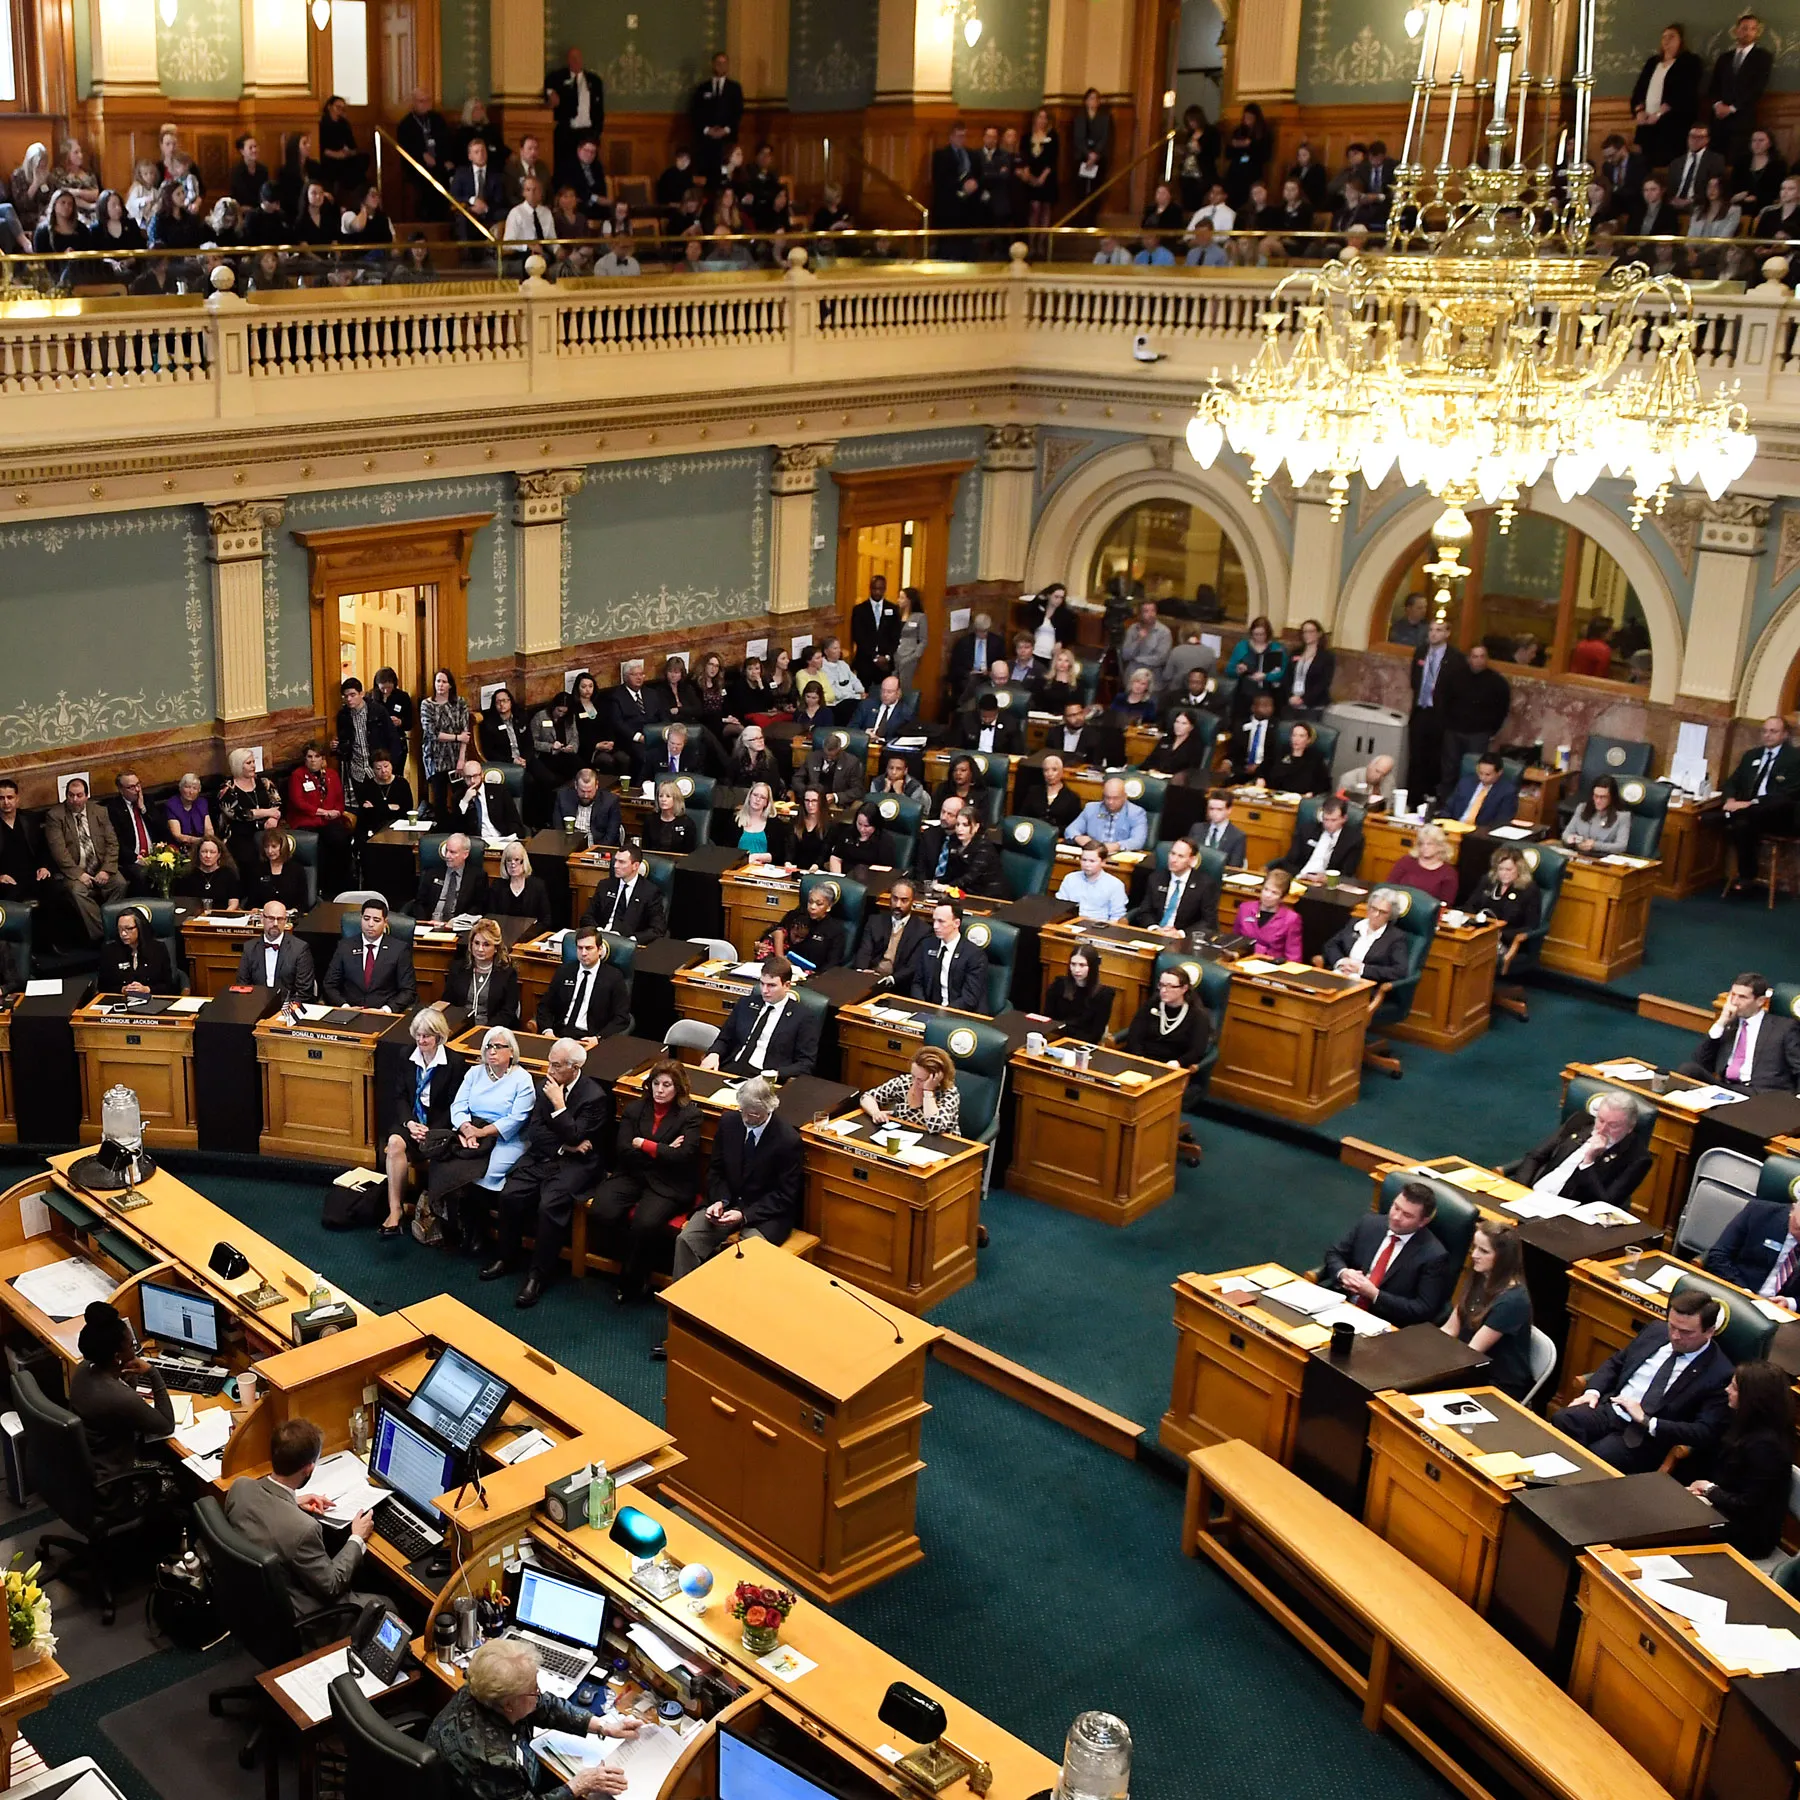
{"x": 398, "y": 59}
{"x": 383, "y": 630}
{"x": 881, "y": 550}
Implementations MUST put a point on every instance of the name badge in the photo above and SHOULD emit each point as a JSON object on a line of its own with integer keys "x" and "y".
{"x": 306, "y": 787}
{"x": 1774, "y": 1244}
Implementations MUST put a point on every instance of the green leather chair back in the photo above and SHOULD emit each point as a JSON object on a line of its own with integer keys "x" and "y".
{"x": 399, "y": 923}
{"x": 509, "y": 775}
{"x": 431, "y": 852}
{"x": 661, "y": 870}
{"x": 1744, "y": 1334}
{"x": 1325, "y": 741}
{"x": 901, "y": 820}
{"x": 16, "y": 920}
{"x": 1612, "y": 756}
{"x": 1415, "y": 918}
{"x": 1087, "y": 678}
{"x": 618, "y": 951}
{"x": 1027, "y": 855}
{"x": 1648, "y": 802}
{"x": 1779, "y": 1180}
{"x": 306, "y": 854}
{"x": 855, "y": 744}
{"x": 847, "y": 898}
{"x": 1784, "y": 1000}
{"x": 1453, "y": 1224}
{"x": 979, "y": 1052}
{"x": 1546, "y": 865}
{"x": 1001, "y": 942}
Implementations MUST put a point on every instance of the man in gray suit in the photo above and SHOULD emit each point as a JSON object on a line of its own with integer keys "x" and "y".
{"x": 278, "y": 959}
{"x": 267, "y": 1510}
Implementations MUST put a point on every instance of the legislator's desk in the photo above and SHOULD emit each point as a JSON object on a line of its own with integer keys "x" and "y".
{"x": 1387, "y": 839}
{"x": 1099, "y": 1140}
{"x": 757, "y": 897}
{"x": 901, "y": 1225}
{"x": 1454, "y": 1001}
{"x": 1663, "y": 1192}
{"x": 318, "y": 1077}
{"x": 800, "y": 1416}
{"x": 1642, "y": 1672}
{"x": 150, "y": 1052}
{"x": 1540, "y": 796}
{"x": 1421, "y": 1662}
{"x": 535, "y": 962}
{"x": 877, "y": 1037}
{"x": 1127, "y": 959}
{"x": 839, "y": 1695}
{"x": 1693, "y": 859}
{"x": 1602, "y": 914}
{"x": 1267, "y": 821}
{"x": 707, "y": 991}
{"x": 1441, "y": 1491}
{"x": 1291, "y": 1041}
{"x": 213, "y": 944}
{"x": 1240, "y": 1359}
{"x": 22, "y": 1691}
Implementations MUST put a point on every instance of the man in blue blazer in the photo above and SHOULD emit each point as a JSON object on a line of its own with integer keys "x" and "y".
{"x": 1666, "y": 1387}
{"x": 1760, "y": 1250}
{"x": 885, "y": 714}
{"x": 1499, "y": 798}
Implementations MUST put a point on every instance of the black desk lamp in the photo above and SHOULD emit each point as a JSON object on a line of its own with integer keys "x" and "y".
{"x": 937, "y": 1762}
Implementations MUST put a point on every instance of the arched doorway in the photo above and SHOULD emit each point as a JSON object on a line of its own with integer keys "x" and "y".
{"x": 1165, "y": 549}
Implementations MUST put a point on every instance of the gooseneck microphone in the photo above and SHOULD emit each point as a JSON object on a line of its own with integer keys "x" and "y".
{"x": 899, "y": 1335}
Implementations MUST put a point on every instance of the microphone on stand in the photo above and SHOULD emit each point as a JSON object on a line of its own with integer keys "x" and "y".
{"x": 867, "y": 1306}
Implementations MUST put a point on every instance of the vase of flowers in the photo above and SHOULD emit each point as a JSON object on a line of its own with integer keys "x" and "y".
{"x": 27, "y": 1614}
{"x": 761, "y": 1611}
{"x": 163, "y": 867}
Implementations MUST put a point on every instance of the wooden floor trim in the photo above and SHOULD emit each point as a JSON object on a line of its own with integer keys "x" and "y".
{"x": 1675, "y": 1012}
{"x": 1110, "y": 1430}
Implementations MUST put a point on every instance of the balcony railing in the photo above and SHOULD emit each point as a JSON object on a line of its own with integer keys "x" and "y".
{"x": 75, "y": 372}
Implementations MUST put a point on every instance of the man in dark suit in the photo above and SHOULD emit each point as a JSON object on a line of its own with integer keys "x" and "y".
{"x": 753, "y": 1181}
{"x": 1760, "y": 1250}
{"x": 716, "y": 111}
{"x": 1666, "y": 1387}
{"x": 1486, "y": 797}
{"x": 1330, "y": 844}
{"x": 833, "y": 770}
{"x": 483, "y": 806}
{"x": 460, "y": 886}
{"x": 1690, "y": 171}
{"x": 24, "y": 862}
{"x": 1370, "y": 947}
{"x": 1476, "y": 700}
{"x": 681, "y": 753}
{"x": 424, "y": 136}
{"x": 975, "y": 652}
{"x": 1625, "y": 169}
{"x": 1435, "y": 663}
{"x": 364, "y": 735}
{"x": 1748, "y": 1048}
{"x": 1394, "y": 1265}
{"x": 1760, "y": 796}
{"x": 950, "y": 971}
{"x": 874, "y": 634}
{"x": 1078, "y": 743}
{"x": 583, "y": 173}
{"x": 1587, "y": 1158}
{"x": 1218, "y": 833}
{"x": 482, "y": 190}
{"x": 631, "y": 711}
{"x": 564, "y": 1160}
{"x": 770, "y": 1033}
{"x": 936, "y": 841}
{"x": 587, "y": 1000}
{"x": 134, "y": 828}
{"x": 579, "y": 101}
{"x": 373, "y": 970}
{"x": 1738, "y": 80}
{"x": 1181, "y": 898}
{"x": 955, "y": 185}
{"x": 583, "y": 808}
{"x": 279, "y": 958}
{"x": 987, "y": 730}
{"x": 885, "y": 713}
{"x": 1255, "y": 743}
{"x": 628, "y": 903}
{"x": 890, "y": 940}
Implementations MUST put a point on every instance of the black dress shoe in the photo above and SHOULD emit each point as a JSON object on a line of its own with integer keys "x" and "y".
{"x": 531, "y": 1293}
{"x": 495, "y": 1269}
{"x": 659, "y": 1353}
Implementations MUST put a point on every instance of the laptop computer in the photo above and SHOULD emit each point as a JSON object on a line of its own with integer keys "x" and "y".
{"x": 562, "y": 1621}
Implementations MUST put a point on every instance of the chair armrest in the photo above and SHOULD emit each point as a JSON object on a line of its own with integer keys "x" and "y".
{"x": 330, "y": 1622}
{"x": 1677, "y": 1453}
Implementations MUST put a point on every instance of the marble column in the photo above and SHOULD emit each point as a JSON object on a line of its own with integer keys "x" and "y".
{"x": 1730, "y": 536}
{"x": 1008, "y": 468}
{"x": 793, "y": 484}
{"x": 240, "y": 540}
{"x": 540, "y": 510}
{"x": 1317, "y": 568}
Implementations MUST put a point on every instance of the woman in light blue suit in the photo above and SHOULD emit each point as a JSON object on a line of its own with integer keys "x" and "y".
{"x": 487, "y": 1118}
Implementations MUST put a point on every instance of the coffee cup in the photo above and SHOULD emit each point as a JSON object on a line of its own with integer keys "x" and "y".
{"x": 1084, "y": 1055}
{"x": 1034, "y": 1043}
{"x": 1342, "y": 1338}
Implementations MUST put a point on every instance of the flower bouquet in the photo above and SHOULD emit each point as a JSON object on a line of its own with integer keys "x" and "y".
{"x": 27, "y": 1614}
{"x": 762, "y": 1610}
{"x": 164, "y": 866}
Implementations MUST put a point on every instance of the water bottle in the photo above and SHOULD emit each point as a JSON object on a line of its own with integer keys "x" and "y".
{"x": 603, "y": 1497}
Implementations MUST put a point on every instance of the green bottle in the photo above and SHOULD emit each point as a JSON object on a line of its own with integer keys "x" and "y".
{"x": 603, "y": 1497}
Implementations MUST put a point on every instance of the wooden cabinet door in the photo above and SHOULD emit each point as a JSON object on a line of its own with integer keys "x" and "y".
{"x": 784, "y": 1474}
{"x": 710, "y": 1426}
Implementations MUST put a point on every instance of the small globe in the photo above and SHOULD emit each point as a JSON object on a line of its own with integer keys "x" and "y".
{"x": 696, "y": 1580}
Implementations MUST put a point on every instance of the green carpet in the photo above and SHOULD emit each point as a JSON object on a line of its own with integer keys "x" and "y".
{"x": 1695, "y": 946}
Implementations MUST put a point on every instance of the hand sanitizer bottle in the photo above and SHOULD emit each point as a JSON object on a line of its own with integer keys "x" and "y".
{"x": 603, "y": 1497}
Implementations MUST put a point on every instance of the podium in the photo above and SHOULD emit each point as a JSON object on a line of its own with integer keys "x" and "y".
{"x": 798, "y": 1401}
{"x": 1598, "y": 928}
{"x": 1292, "y": 1041}
{"x": 150, "y": 1053}
{"x": 319, "y": 1101}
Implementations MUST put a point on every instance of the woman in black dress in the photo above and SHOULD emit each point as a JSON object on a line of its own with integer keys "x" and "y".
{"x": 317, "y": 220}
{"x": 810, "y": 843}
{"x": 1197, "y": 158}
{"x": 1301, "y": 767}
{"x": 1063, "y": 688}
{"x": 482, "y": 980}
{"x": 960, "y": 781}
{"x": 1181, "y": 752}
{"x": 519, "y": 894}
{"x": 1043, "y": 158}
{"x": 246, "y": 807}
{"x": 1492, "y": 1313}
{"x": 279, "y": 875}
{"x": 974, "y": 864}
{"x": 1508, "y": 893}
{"x": 1081, "y": 1007}
{"x": 135, "y": 962}
{"x": 1747, "y": 1477}
{"x": 1174, "y": 1028}
{"x": 810, "y": 932}
{"x": 671, "y": 832}
{"x": 345, "y": 166}
{"x": 502, "y": 734}
{"x": 1246, "y": 154}
{"x": 590, "y": 721}
{"x": 213, "y": 880}
{"x": 859, "y": 844}
{"x": 554, "y": 752}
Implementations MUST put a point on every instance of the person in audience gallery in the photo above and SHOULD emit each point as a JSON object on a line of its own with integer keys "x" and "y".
{"x": 1393, "y": 1264}
{"x": 84, "y": 851}
{"x": 416, "y": 1108}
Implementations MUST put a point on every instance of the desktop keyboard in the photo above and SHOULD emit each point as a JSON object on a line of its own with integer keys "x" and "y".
{"x": 189, "y": 1377}
{"x": 404, "y": 1532}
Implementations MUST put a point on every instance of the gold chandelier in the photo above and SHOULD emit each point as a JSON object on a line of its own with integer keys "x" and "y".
{"x": 1484, "y": 346}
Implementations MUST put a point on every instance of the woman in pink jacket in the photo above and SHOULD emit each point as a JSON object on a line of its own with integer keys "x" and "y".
{"x": 1272, "y": 928}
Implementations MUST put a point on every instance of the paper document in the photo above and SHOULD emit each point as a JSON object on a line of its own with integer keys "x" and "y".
{"x": 1238, "y": 1284}
{"x": 1455, "y": 1409}
{"x": 1539, "y": 1206}
{"x": 1662, "y": 1568}
{"x": 1771, "y": 1309}
{"x": 309, "y": 1686}
{"x": 1270, "y": 1275}
{"x": 342, "y": 1482}
{"x": 1626, "y": 1071}
{"x": 42, "y": 990}
{"x": 1547, "y": 1465}
{"x": 524, "y": 1447}
{"x": 1666, "y": 1277}
{"x": 921, "y": 1156}
{"x": 188, "y": 1003}
{"x": 1309, "y": 1337}
{"x": 1364, "y": 1324}
{"x": 184, "y": 1410}
{"x": 1703, "y": 1099}
{"x": 210, "y": 1431}
{"x": 1597, "y": 1212}
{"x": 1304, "y": 1296}
{"x": 1255, "y": 965}
{"x": 66, "y": 1289}
{"x": 786, "y": 1662}
{"x": 208, "y": 1468}
{"x": 34, "y": 1216}
{"x": 1640, "y": 1287}
{"x": 658, "y": 1648}
{"x": 1757, "y": 1649}
{"x": 1500, "y": 1464}
{"x": 1689, "y": 1603}
{"x": 646, "y": 1759}
{"x": 1513, "y": 832}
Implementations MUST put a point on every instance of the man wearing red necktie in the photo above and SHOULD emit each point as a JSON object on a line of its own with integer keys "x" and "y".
{"x": 1393, "y": 1264}
{"x": 131, "y": 822}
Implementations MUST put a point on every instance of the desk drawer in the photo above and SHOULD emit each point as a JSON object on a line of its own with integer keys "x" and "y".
{"x": 765, "y": 1393}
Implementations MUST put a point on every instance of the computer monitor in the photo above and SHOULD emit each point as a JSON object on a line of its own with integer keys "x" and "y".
{"x": 457, "y": 1399}
{"x": 748, "y": 1772}
{"x": 575, "y": 1614}
{"x": 175, "y": 1317}
{"x": 411, "y": 1462}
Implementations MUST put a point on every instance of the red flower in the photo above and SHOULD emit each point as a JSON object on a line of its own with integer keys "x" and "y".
{"x": 755, "y": 1616}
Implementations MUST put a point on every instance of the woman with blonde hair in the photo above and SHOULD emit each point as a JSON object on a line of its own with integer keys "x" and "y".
{"x": 482, "y": 980}
{"x": 248, "y": 805}
{"x": 418, "y": 1106}
{"x": 519, "y": 894}
{"x": 925, "y": 1096}
{"x": 1429, "y": 866}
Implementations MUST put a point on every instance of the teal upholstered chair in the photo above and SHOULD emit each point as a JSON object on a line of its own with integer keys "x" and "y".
{"x": 1452, "y": 1224}
{"x": 1027, "y": 854}
{"x": 979, "y": 1052}
{"x": 901, "y": 820}
{"x": 991, "y": 776}
{"x": 399, "y": 923}
{"x": 1325, "y": 741}
{"x": 1743, "y": 1334}
{"x": 619, "y": 951}
{"x": 1617, "y": 757}
{"x": 854, "y": 744}
{"x": 1415, "y": 918}
{"x": 306, "y": 854}
{"x": 847, "y": 900}
{"x": 511, "y": 776}
{"x": 16, "y": 920}
{"x": 1545, "y": 864}
{"x": 160, "y": 916}
{"x": 1512, "y": 768}
{"x": 431, "y": 852}
{"x": 1648, "y": 804}
{"x": 1001, "y": 942}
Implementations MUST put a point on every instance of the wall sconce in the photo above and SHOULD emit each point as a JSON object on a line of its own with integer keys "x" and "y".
{"x": 166, "y": 10}
{"x": 321, "y": 14}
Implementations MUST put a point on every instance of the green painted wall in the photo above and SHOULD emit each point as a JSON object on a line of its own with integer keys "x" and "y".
{"x": 467, "y": 53}
{"x": 1355, "y": 50}
{"x": 1624, "y": 37}
{"x": 650, "y": 57}
{"x": 665, "y": 544}
{"x": 201, "y": 56}
{"x": 831, "y": 54}
{"x": 127, "y": 646}
{"x": 1528, "y": 559}
{"x": 1006, "y": 66}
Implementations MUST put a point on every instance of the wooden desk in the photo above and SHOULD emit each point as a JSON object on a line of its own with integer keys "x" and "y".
{"x": 755, "y": 1338}
{"x": 1430, "y": 1497}
{"x": 1098, "y": 1141}
{"x": 1454, "y": 1001}
{"x": 1238, "y": 1366}
{"x": 1267, "y": 822}
{"x": 877, "y": 1037}
{"x": 152, "y": 1054}
{"x": 1127, "y": 958}
{"x": 213, "y": 944}
{"x": 319, "y": 1088}
{"x": 1292, "y": 1043}
{"x": 708, "y": 991}
{"x": 587, "y": 869}
{"x": 1693, "y": 849}
{"x": 1540, "y": 796}
{"x": 1387, "y": 839}
{"x": 22, "y": 1691}
{"x": 1642, "y": 1673}
{"x": 758, "y": 896}
{"x": 9, "y": 1122}
{"x": 1423, "y": 1664}
{"x": 902, "y": 1233}
{"x": 1598, "y": 928}
{"x": 1663, "y": 1192}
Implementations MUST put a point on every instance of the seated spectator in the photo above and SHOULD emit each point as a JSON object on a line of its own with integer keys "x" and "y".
{"x": 832, "y": 214}
{"x": 656, "y": 1163}
{"x": 187, "y": 815}
{"x": 480, "y": 191}
{"x": 1163, "y": 214}
{"x": 140, "y": 197}
{"x": 1666, "y": 1387}
{"x": 213, "y": 881}
{"x": 1204, "y": 253}
{"x": 620, "y": 259}
{"x": 585, "y": 177}
{"x": 1393, "y": 1264}
{"x": 1599, "y": 826}
{"x": 385, "y": 797}
{"x": 31, "y": 186}
{"x": 477, "y": 124}
{"x": 266, "y": 222}
{"x": 676, "y": 180}
{"x": 1745, "y": 1480}
{"x": 1301, "y": 767}
{"x": 528, "y": 161}
{"x": 1357, "y": 208}
{"x": 1428, "y": 866}
{"x": 1492, "y": 1310}
{"x": 249, "y": 176}
{"x": 1095, "y": 894}
{"x": 1588, "y": 1157}
{"x": 72, "y": 172}
{"x": 316, "y": 223}
{"x": 366, "y": 224}
{"x": 1217, "y": 212}
{"x": 531, "y": 221}
{"x": 1272, "y": 927}
{"x": 1112, "y": 254}
{"x": 755, "y": 1178}
{"x": 60, "y": 230}
{"x": 315, "y": 802}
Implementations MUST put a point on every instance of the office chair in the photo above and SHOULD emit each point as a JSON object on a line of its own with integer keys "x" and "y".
{"x": 1543, "y": 1366}
{"x": 384, "y": 1759}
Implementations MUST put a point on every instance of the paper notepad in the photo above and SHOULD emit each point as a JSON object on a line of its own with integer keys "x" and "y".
{"x": 209, "y": 1432}
{"x": 1662, "y": 1568}
{"x": 1364, "y": 1324}
{"x": 1309, "y": 1337}
{"x": 1666, "y": 1277}
{"x": 1685, "y": 1602}
{"x": 1304, "y": 1296}
{"x": 1770, "y": 1310}
{"x": 1547, "y": 1465}
{"x": 1500, "y": 1464}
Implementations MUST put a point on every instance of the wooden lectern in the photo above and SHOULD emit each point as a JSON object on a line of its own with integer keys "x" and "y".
{"x": 798, "y": 1400}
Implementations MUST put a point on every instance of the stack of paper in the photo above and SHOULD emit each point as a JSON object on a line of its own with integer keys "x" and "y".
{"x": 1755, "y": 1649}
{"x": 1597, "y": 1212}
{"x": 66, "y": 1289}
{"x": 1539, "y": 1206}
{"x": 209, "y": 1431}
{"x": 1627, "y": 1070}
{"x": 1771, "y": 1309}
{"x": 1304, "y": 1296}
{"x": 524, "y": 1447}
{"x": 1703, "y": 1099}
{"x": 1665, "y": 1278}
{"x": 309, "y": 1686}
{"x": 1364, "y": 1324}
{"x": 342, "y": 1482}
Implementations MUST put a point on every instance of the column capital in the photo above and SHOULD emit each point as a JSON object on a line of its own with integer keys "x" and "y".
{"x": 1737, "y": 525}
{"x": 541, "y": 496}
{"x": 237, "y": 527}
{"x": 796, "y": 467}
{"x": 1009, "y": 447}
